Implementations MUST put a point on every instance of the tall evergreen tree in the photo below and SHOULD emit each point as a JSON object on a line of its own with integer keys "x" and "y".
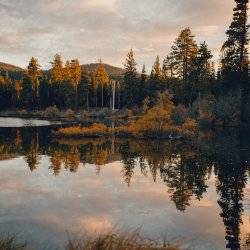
{"x": 156, "y": 83}
{"x": 168, "y": 67}
{"x": 33, "y": 73}
{"x": 201, "y": 74}
{"x": 182, "y": 56}
{"x": 156, "y": 70}
{"x": 130, "y": 84}
{"x": 27, "y": 93}
{"x": 83, "y": 90}
{"x": 183, "y": 53}
{"x": 56, "y": 96}
{"x": 44, "y": 92}
{"x": 143, "y": 87}
{"x": 6, "y": 92}
{"x": 235, "y": 54}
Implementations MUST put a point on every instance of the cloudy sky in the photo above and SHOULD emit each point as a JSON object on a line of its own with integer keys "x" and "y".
{"x": 93, "y": 29}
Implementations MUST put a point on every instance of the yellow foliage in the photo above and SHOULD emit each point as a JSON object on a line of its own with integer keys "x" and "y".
{"x": 97, "y": 129}
{"x": 101, "y": 75}
{"x": 156, "y": 122}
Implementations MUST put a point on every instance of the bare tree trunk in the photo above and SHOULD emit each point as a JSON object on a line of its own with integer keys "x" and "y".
{"x": 87, "y": 101}
{"x": 113, "y": 139}
{"x": 96, "y": 98}
{"x": 112, "y": 99}
{"x": 119, "y": 100}
{"x": 102, "y": 95}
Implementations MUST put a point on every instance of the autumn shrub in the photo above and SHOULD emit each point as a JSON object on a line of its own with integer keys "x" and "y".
{"x": 95, "y": 130}
{"x": 156, "y": 122}
{"x": 69, "y": 114}
{"x": 51, "y": 112}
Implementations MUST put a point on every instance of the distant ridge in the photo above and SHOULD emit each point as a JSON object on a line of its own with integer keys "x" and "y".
{"x": 112, "y": 70}
{"x": 9, "y": 67}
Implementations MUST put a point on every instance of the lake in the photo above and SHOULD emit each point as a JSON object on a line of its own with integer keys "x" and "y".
{"x": 196, "y": 192}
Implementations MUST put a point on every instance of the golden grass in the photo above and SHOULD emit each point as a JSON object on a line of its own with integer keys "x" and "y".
{"x": 95, "y": 130}
{"x": 141, "y": 128}
{"x": 155, "y": 123}
{"x": 117, "y": 241}
{"x": 10, "y": 243}
{"x": 109, "y": 241}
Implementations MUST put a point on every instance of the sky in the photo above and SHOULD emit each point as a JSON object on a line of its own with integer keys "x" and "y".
{"x": 106, "y": 29}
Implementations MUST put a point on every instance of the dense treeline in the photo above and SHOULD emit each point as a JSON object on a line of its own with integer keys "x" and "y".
{"x": 187, "y": 73}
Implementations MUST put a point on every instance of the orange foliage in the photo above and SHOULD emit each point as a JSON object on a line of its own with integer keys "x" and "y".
{"x": 97, "y": 129}
{"x": 156, "y": 122}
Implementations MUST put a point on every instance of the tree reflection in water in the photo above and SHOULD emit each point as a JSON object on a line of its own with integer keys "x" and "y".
{"x": 184, "y": 167}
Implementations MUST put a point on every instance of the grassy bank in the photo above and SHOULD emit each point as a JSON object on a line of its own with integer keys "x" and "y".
{"x": 159, "y": 121}
{"x": 136, "y": 129}
{"x": 108, "y": 241}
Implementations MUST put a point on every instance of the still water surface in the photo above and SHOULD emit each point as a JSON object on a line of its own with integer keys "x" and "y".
{"x": 197, "y": 193}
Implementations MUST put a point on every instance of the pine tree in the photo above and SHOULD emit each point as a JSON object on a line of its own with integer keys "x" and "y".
{"x": 143, "y": 75}
{"x": 27, "y": 93}
{"x": 6, "y": 92}
{"x": 130, "y": 85}
{"x": 156, "y": 70}
{"x": 238, "y": 36}
{"x": 44, "y": 92}
{"x": 201, "y": 74}
{"x": 235, "y": 54}
{"x": 168, "y": 68}
{"x": 33, "y": 73}
{"x": 156, "y": 82}
{"x": 83, "y": 90}
{"x": 182, "y": 57}
{"x": 183, "y": 53}
{"x": 143, "y": 87}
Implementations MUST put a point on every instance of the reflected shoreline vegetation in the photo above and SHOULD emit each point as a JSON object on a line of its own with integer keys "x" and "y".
{"x": 186, "y": 169}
